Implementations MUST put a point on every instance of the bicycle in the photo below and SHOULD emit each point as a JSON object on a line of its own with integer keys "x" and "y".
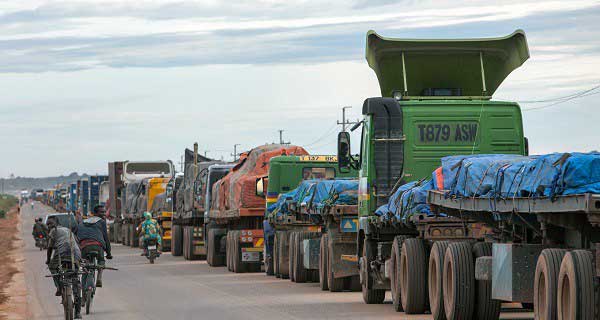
{"x": 88, "y": 279}
{"x": 68, "y": 279}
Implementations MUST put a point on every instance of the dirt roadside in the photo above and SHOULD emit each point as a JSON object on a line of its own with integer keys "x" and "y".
{"x": 13, "y": 292}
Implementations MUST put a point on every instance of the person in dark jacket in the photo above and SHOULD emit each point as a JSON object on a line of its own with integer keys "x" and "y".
{"x": 93, "y": 237}
{"x": 39, "y": 228}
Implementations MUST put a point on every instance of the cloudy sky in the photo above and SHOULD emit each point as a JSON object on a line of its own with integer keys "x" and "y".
{"x": 86, "y": 82}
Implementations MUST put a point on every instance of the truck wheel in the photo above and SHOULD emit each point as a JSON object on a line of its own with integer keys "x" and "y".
{"x": 186, "y": 252}
{"x": 323, "y": 264}
{"x": 228, "y": 252}
{"x": 413, "y": 277}
{"x": 394, "y": 274}
{"x": 283, "y": 253}
{"x": 576, "y": 286}
{"x": 276, "y": 254}
{"x": 301, "y": 275}
{"x": 213, "y": 257}
{"x": 545, "y": 282}
{"x": 292, "y": 260}
{"x": 269, "y": 266}
{"x": 435, "y": 279}
{"x": 335, "y": 284}
{"x": 353, "y": 283}
{"x": 459, "y": 281}
{"x": 370, "y": 295}
{"x": 238, "y": 265}
{"x": 125, "y": 234}
{"x": 176, "y": 239}
{"x": 486, "y": 308}
{"x": 133, "y": 239}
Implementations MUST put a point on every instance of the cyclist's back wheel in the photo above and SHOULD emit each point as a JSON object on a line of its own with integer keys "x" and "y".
{"x": 68, "y": 303}
{"x": 88, "y": 301}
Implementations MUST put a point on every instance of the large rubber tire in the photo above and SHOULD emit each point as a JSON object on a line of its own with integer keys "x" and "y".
{"x": 486, "y": 308}
{"x": 323, "y": 263}
{"x": 282, "y": 251}
{"x": 135, "y": 240}
{"x": 459, "y": 281}
{"x": 269, "y": 262}
{"x": 545, "y": 284}
{"x": 576, "y": 287}
{"x": 413, "y": 276}
{"x": 238, "y": 265}
{"x": 301, "y": 274}
{"x": 213, "y": 256}
{"x": 126, "y": 235}
{"x": 335, "y": 284}
{"x": 292, "y": 257}
{"x": 370, "y": 295}
{"x": 228, "y": 252}
{"x": 276, "y": 254}
{"x": 176, "y": 241}
{"x": 184, "y": 245}
{"x": 435, "y": 279}
{"x": 394, "y": 274}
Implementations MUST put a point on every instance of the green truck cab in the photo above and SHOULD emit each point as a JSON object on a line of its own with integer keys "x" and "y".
{"x": 285, "y": 174}
{"x": 436, "y": 102}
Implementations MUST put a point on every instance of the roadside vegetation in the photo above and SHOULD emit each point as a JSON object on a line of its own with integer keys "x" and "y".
{"x": 9, "y": 220}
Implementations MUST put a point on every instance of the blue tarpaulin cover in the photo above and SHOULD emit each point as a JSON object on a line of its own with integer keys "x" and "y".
{"x": 505, "y": 176}
{"x": 316, "y": 194}
{"x": 499, "y": 176}
{"x": 409, "y": 199}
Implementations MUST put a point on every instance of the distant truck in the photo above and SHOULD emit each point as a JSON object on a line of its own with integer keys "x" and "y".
{"x": 83, "y": 196}
{"x": 93, "y": 197}
{"x": 116, "y": 188}
{"x": 136, "y": 177}
{"x": 299, "y": 223}
{"x": 189, "y": 218}
{"x": 235, "y": 219}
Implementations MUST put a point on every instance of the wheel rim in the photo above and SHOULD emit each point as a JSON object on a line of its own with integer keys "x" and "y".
{"x": 542, "y": 294}
{"x": 448, "y": 287}
{"x": 566, "y": 299}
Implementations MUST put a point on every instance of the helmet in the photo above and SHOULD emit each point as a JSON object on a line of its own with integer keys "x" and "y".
{"x": 147, "y": 215}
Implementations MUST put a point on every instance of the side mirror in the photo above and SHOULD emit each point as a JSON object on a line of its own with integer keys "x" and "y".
{"x": 260, "y": 187}
{"x": 343, "y": 152}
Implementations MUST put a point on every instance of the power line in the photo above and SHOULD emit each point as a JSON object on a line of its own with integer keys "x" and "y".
{"x": 562, "y": 101}
{"x": 576, "y": 94}
{"x": 325, "y": 135}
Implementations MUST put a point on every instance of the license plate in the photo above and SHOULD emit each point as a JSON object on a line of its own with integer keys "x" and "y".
{"x": 250, "y": 256}
{"x": 151, "y": 247}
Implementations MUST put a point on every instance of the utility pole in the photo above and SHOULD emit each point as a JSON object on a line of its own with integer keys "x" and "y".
{"x": 235, "y": 154}
{"x": 281, "y": 137}
{"x": 344, "y": 122}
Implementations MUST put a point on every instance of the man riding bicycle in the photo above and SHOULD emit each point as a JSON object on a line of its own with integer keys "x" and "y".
{"x": 93, "y": 238}
{"x": 63, "y": 249}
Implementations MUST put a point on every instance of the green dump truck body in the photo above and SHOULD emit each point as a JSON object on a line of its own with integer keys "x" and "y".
{"x": 436, "y": 102}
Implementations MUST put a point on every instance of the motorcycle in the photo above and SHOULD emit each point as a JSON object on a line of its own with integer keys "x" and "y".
{"x": 152, "y": 250}
{"x": 41, "y": 242}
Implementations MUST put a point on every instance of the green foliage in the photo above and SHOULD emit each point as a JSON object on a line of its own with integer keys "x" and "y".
{"x": 6, "y": 202}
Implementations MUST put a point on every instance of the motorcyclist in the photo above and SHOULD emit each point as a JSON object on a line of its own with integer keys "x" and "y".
{"x": 63, "y": 247}
{"x": 93, "y": 237}
{"x": 149, "y": 229}
{"x": 39, "y": 228}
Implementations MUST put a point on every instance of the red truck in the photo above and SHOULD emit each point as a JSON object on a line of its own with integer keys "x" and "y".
{"x": 235, "y": 219}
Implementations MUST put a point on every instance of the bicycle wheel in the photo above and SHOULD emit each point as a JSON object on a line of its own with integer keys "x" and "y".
{"x": 88, "y": 301}
{"x": 68, "y": 302}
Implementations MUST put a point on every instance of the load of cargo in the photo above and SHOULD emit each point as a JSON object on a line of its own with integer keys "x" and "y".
{"x": 498, "y": 176}
{"x": 315, "y": 195}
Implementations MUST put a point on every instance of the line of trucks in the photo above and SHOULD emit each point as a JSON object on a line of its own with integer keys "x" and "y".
{"x": 442, "y": 205}
{"x": 79, "y": 197}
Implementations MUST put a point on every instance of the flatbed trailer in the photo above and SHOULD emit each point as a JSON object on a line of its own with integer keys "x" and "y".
{"x": 545, "y": 250}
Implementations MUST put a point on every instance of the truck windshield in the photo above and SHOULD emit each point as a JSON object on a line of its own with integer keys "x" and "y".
{"x": 148, "y": 168}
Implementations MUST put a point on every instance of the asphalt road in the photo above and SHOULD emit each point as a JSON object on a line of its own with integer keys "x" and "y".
{"x": 177, "y": 289}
